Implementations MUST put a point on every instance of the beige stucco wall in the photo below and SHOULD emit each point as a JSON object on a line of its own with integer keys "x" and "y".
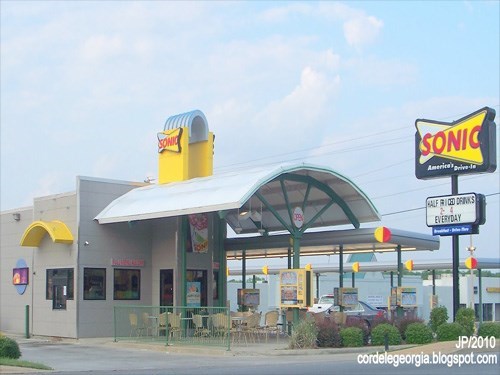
{"x": 12, "y": 305}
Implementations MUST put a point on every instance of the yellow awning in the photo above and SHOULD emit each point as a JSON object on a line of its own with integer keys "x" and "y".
{"x": 57, "y": 230}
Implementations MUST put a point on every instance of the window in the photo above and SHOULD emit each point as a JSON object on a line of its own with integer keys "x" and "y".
{"x": 59, "y": 277}
{"x": 94, "y": 283}
{"x": 487, "y": 312}
{"x": 127, "y": 284}
{"x": 59, "y": 287}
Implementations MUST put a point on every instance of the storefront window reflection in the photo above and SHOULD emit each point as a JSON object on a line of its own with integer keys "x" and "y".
{"x": 127, "y": 284}
{"x": 94, "y": 283}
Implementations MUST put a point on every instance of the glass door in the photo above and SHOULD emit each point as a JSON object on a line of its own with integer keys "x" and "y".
{"x": 166, "y": 287}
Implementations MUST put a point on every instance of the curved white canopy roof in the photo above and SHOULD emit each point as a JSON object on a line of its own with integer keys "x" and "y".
{"x": 263, "y": 191}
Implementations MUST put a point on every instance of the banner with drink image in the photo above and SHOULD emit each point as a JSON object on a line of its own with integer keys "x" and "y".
{"x": 199, "y": 232}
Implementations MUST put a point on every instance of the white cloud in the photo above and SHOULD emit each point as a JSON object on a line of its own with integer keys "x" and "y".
{"x": 362, "y": 30}
{"x": 279, "y": 14}
{"x": 304, "y": 105}
{"x": 359, "y": 28}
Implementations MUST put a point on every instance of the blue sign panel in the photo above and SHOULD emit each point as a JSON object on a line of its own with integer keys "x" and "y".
{"x": 451, "y": 230}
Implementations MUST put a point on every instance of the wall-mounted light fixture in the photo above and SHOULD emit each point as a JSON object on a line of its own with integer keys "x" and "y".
{"x": 16, "y": 216}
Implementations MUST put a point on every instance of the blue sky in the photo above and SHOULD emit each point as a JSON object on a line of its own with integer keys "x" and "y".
{"x": 85, "y": 87}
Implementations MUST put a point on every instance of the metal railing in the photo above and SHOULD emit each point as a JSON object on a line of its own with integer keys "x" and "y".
{"x": 174, "y": 325}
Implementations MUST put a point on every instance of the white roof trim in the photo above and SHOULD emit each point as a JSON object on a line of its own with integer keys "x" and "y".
{"x": 224, "y": 191}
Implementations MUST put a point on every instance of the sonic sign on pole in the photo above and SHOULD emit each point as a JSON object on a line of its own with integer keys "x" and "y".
{"x": 462, "y": 147}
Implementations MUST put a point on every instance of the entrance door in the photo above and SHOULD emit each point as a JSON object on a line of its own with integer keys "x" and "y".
{"x": 166, "y": 287}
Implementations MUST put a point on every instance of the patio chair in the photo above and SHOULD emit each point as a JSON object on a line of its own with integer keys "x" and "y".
{"x": 251, "y": 325}
{"x": 199, "y": 329}
{"x": 224, "y": 327}
{"x": 174, "y": 324}
{"x": 146, "y": 323}
{"x": 134, "y": 325}
{"x": 220, "y": 324}
{"x": 162, "y": 324}
{"x": 271, "y": 323}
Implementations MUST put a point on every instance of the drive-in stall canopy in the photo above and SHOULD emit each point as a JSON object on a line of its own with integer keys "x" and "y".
{"x": 259, "y": 199}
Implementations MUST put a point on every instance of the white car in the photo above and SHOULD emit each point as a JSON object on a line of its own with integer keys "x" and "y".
{"x": 361, "y": 310}
{"x": 324, "y": 304}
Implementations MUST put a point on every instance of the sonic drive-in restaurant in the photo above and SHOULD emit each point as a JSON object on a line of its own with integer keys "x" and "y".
{"x": 71, "y": 258}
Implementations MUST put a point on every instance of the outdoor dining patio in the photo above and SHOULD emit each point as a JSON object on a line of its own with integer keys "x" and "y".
{"x": 210, "y": 326}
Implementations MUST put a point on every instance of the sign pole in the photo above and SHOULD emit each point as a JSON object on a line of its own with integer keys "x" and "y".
{"x": 455, "y": 257}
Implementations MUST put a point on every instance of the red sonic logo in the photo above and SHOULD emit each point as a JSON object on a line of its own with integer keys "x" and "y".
{"x": 170, "y": 140}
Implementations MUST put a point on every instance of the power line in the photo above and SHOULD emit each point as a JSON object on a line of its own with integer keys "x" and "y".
{"x": 425, "y": 188}
{"x": 367, "y": 136}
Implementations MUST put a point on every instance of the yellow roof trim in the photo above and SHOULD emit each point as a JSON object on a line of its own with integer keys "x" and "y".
{"x": 57, "y": 230}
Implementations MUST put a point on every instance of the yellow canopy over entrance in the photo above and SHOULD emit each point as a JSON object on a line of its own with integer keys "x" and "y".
{"x": 57, "y": 230}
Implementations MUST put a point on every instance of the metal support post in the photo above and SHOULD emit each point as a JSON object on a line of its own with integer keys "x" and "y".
{"x": 480, "y": 287}
{"x": 433, "y": 282}
{"x": 455, "y": 257}
{"x": 296, "y": 264}
{"x": 317, "y": 285}
{"x": 27, "y": 321}
{"x": 399, "y": 309}
{"x": 341, "y": 266}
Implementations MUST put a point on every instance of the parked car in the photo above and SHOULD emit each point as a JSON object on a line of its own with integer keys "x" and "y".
{"x": 325, "y": 303}
{"x": 363, "y": 311}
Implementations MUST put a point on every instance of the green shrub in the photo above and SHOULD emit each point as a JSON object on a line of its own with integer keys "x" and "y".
{"x": 449, "y": 332}
{"x": 328, "y": 333}
{"x": 379, "y": 332}
{"x": 9, "y": 348}
{"x": 418, "y": 333}
{"x": 351, "y": 336}
{"x": 304, "y": 335}
{"x": 403, "y": 323}
{"x": 489, "y": 329}
{"x": 439, "y": 315}
{"x": 363, "y": 325}
{"x": 466, "y": 317}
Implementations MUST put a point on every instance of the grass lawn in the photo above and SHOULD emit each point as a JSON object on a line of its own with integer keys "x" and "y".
{"x": 20, "y": 363}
